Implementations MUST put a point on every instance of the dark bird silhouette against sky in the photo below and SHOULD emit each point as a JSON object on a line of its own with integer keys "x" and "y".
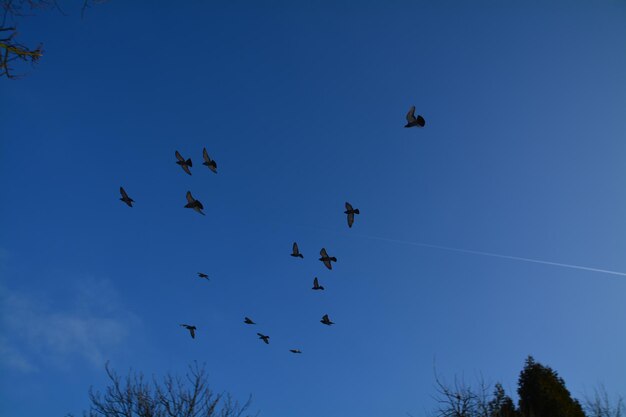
{"x": 413, "y": 121}
{"x": 350, "y": 212}
{"x": 316, "y": 284}
{"x": 265, "y": 338}
{"x": 185, "y": 165}
{"x": 248, "y": 320}
{"x": 295, "y": 252}
{"x": 208, "y": 161}
{"x": 125, "y": 198}
{"x": 203, "y": 275}
{"x": 295, "y": 351}
{"x": 192, "y": 203}
{"x": 192, "y": 329}
{"x": 327, "y": 259}
{"x": 326, "y": 320}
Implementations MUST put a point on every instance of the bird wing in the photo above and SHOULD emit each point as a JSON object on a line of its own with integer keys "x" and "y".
{"x": 348, "y": 206}
{"x": 193, "y": 332}
{"x": 410, "y": 116}
{"x": 420, "y": 121}
{"x": 179, "y": 156}
{"x": 323, "y": 253}
{"x": 190, "y": 198}
{"x": 315, "y": 282}
{"x": 186, "y": 168}
{"x": 205, "y": 155}
{"x": 350, "y": 219}
{"x": 295, "y": 248}
{"x": 325, "y": 317}
{"x": 124, "y": 195}
{"x": 327, "y": 263}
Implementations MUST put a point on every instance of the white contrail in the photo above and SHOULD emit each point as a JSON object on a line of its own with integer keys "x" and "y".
{"x": 496, "y": 255}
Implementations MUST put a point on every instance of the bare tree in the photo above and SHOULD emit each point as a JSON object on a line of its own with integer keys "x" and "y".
{"x": 600, "y": 405}
{"x": 134, "y": 396}
{"x": 12, "y": 51}
{"x": 460, "y": 400}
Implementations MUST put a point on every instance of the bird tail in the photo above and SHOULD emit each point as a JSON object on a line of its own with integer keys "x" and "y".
{"x": 356, "y": 211}
{"x": 189, "y": 162}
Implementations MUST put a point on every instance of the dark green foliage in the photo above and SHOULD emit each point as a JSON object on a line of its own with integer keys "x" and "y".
{"x": 542, "y": 393}
{"x": 501, "y": 405}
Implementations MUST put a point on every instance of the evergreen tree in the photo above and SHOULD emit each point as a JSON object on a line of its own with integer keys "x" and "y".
{"x": 542, "y": 393}
{"x": 501, "y": 405}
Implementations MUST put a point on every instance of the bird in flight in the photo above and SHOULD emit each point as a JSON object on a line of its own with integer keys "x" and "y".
{"x": 248, "y": 320}
{"x": 295, "y": 351}
{"x": 266, "y": 339}
{"x": 203, "y": 276}
{"x": 326, "y": 320}
{"x": 208, "y": 161}
{"x": 192, "y": 203}
{"x": 316, "y": 285}
{"x": 185, "y": 165}
{"x": 412, "y": 120}
{"x": 295, "y": 252}
{"x": 192, "y": 330}
{"x": 350, "y": 212}
{"x": 125, "y": 198}
{"x": 327, "y": 259}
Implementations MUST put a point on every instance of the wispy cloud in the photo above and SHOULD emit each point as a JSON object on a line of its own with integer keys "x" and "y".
{"x": 88, "y": 329}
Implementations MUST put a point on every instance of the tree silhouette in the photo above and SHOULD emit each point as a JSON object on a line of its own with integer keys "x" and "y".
{"x": 12, "y": 51}
{"x": 134, "y": 396}
{"x": 542, "y": 393}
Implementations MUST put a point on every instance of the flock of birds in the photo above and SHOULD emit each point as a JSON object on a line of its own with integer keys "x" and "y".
{"x": 196, "y": 205}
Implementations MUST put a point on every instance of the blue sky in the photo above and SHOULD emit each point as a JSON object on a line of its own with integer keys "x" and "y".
{"x": 302, "y": 105}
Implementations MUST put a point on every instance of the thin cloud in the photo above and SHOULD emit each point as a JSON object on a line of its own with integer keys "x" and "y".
{"x": 89, "y": 329}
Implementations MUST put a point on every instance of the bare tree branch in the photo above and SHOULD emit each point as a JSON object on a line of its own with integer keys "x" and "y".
{"x": 172, "y": 397}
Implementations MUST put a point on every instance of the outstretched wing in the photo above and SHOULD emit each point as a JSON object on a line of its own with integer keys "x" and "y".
{"x": 190, "y": 198}
{"x": 348, "y": 206}
{"x": 315, "y": 282}
{"x": 205, "y": 156}
{"x": 327, "y": 263}
{"x": 124, "y": 195}
{"x": 193, "y": 332}
{"x": 420, "y": 121}
{"x": 179, "y": 156}
{"x": 185, "y": 168}
{"x": 410, "y": 116}
{"x": 350, "y": 219}
{"x": 295, "y": 249}
{"x": 323, "y": 253}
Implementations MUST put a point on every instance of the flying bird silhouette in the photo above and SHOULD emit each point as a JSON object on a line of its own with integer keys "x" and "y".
{"x": 350, "y": 212}
{"x": 326, "y": 320}
{"x": 192, "y": 330}
{"x": 192, "y": 203}
{"x": 295, "y": 252}
{"x": 125, "y": 198}
{"x": 412, "y": 120}
{"x": 248, "y": 320}
{"x": 266, "y": 339}
{"x": 327, "y": 259}
{"x": 316, "y": 285}
{"x": 295, "y": 351}
{"x": 208, "y": 161}
{"x": 203, "y": 276}
{"x": 185, "y": 165}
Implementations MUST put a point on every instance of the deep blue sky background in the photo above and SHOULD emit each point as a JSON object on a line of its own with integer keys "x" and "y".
{"x": 302, "y": 106}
